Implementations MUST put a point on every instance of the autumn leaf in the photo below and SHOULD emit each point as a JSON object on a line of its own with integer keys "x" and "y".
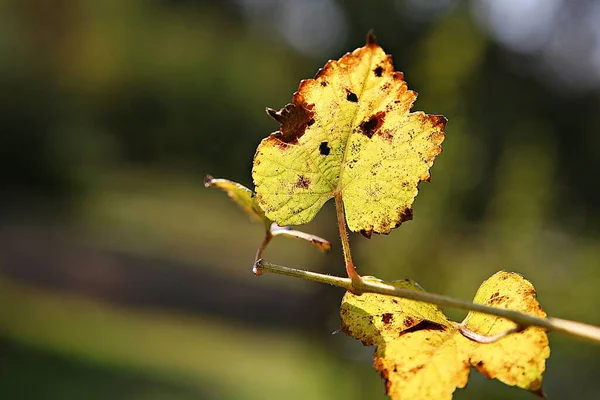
{"x": 422, "y": 355}
{"x": 246, "y": 199}
{"x": 349, "y": 133}
{"x": 530, "y": 347}
{"x": 242, "y": 196}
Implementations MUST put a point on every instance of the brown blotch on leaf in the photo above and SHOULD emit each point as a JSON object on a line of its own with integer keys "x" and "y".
{"x": 438, "y": 121}
{"x": 536, "y": 388}
{"x": 385, "y": 134}
{"x": 303, "y": 182}
{"x": 293, "y": 120}
{"x": 493, "y": 296}
{"x": 496, "y": 300}
{"x": 385, "y": 223}
{"x": 351, "y": 96}
{"x": 324, "y": 149}
{"x": 408, "y": 322}
{"x": 416, "y": 369}
{"x": 404, "y": 215}
{"x": 385, "y": 374}
{"x": 276, "y": 141}
{"x": 371, "y": 39}
{"x": 370, "y": 126}
{"x": 437, "y": 137}
{"x": 397, "y": 75}
{"x": 387, "y": 317}
{"x": 323, "y": 83}
{"x": 480, "y": 366}
{"x": 321, "y": 71}
{"x": 367, "y": 233}
{"x": 378, "y": 71}
{"x": 531, "y": 292}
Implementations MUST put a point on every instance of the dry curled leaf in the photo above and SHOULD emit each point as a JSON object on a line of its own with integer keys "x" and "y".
{"x": 422, "y": 355}
{"x": 348, "y": 132}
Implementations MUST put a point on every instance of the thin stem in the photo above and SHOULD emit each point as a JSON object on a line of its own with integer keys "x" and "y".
{"x": 476, "y": 337}
{"x": 265, "y": 266}
{"x": 577, "y": 329}
{"x": 341, "y": 220}
{"x": 261, "y": 248}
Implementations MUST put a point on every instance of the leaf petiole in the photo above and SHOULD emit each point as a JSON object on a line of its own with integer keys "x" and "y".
{"x": 350, "y": 267}
{"x": 484, "y": 339}
{"x": 259, "y": 251}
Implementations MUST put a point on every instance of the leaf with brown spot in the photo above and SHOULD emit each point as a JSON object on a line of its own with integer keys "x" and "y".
{"x": 348, "y": 132}
{"x": 420, "y": 354}
{"x": 530, "y": 347}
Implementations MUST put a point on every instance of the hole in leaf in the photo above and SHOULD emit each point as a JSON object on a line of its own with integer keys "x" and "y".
{"x": 351, "y": 96}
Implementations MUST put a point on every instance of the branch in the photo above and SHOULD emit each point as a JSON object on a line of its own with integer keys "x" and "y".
{"x": 577, "y": 329}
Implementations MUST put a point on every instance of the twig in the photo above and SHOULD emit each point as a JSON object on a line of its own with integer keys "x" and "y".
{"x": 263, "y": 245}
{"x": 577, "y": 329}
{"x": 476, "y": 337}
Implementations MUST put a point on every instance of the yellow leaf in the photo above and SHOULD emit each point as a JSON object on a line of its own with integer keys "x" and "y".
{"x": 242, "y": 196}
{"x": 512, "y": 291}
{"x": 348, "y": 132}
{"x": 371, "y": 316}
{"x": 246, "y": 199}
{"x": 429, "y": 358}
{"x": 429, "y": 363}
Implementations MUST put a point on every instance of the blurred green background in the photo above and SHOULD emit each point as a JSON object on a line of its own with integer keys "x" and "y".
{"x": 122, "y": 277}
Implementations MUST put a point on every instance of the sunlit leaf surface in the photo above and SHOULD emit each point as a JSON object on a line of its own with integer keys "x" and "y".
{"x": 422, "y": 355}
{"x": 348, "y": 132}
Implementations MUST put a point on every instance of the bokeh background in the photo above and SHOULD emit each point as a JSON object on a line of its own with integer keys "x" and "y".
{"x": 122, "y": 277}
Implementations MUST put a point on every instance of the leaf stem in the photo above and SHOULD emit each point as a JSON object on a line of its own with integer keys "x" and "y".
{"x": 350, "y": 267}
{"x": 476, "y": 337}
{"x": 261, "y": 248}
{"x": 572, "y": 328}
